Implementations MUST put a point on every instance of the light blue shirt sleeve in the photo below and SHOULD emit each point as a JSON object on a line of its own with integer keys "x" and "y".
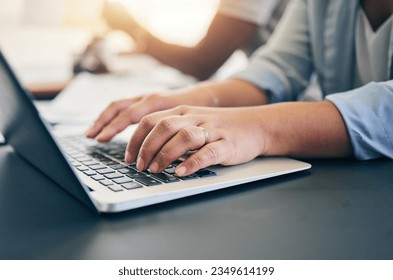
{"x": 309, "y": 39}
{"x": 368, "y": 114}
{"x": 283, "y": 66}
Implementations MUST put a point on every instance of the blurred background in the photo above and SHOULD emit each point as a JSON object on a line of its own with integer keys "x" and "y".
{"x": 41, "y": 37}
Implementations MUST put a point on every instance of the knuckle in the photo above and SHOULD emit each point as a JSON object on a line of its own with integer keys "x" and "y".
{"x": 183, "y": 109}
{"x": 126, "y": 117}
{"x": 166, "y": 124}
{"x": 114, "y": 104}
{"x": 164, "y": 155}
{"x": 230, "y": 157}
{"x": 186, "y": 135}
{"x": 151, "y": 97}
{"x": 145, "y": 150}
{"x": 201, "y": 160}
{"x": 196, "y": 162}
{"x": 212, "y": 154}
{"x": 147, "y": 121}
{"x": 98, "y": 123}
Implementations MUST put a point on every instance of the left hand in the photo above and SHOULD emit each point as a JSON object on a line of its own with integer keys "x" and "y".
{"x": 225, "y": 136}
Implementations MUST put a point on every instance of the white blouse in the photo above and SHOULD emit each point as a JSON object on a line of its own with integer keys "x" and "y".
{"x": 372, "y": 50}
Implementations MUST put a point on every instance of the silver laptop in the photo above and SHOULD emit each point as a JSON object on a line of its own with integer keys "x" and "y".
{"x": 95, "y": 173}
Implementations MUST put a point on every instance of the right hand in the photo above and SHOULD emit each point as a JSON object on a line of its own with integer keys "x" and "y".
{"x": 122, "y": 113}
{"x": 214, "y": 135}
{"x": 117, "y": 17}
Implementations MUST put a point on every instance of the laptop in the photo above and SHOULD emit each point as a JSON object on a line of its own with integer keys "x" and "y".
{"x": 95, "y": 173}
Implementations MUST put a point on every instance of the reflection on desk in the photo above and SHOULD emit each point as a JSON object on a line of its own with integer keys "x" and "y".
{"x": 338, "y": 210}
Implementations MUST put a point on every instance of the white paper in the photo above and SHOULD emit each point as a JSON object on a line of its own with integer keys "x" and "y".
{"x": 88, "y": 94}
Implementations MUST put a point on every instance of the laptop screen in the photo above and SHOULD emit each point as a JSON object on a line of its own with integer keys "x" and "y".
{"x": 26, "y": 132}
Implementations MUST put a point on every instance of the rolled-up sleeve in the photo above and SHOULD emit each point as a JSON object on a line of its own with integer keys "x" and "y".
{"x": 284, "y": 65}
{"x": 368, "y": 114}
{"x": 259, "y": 12}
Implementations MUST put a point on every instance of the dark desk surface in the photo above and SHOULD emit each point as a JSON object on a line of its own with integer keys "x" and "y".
{"x": 337, "y": 210}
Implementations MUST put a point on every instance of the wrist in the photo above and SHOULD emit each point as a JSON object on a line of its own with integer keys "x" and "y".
{"x": 140, "y": 36}
{"x": 209, "y": 95}
{"x": 203, "y": 94}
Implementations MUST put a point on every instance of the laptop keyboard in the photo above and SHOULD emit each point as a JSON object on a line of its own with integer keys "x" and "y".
{"x": 104, "y": 163}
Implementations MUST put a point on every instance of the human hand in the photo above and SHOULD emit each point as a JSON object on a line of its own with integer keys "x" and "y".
{"x": 122, "y": 113}
{"x": 93, "y": 58}
{"x": 117, "y": 17}
{"x": 218, "y": 136}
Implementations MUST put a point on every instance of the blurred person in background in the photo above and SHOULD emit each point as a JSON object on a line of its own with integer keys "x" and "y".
{"x": 348, "y": 44}
{"x": 245, "y": 25}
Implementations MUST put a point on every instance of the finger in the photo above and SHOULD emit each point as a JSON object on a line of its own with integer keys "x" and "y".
{"x": 164, "y": 130}
{"x": 144, "y": 127}
{"x": 210, "y": 154}
{"x": 154, "y": 132}
{"x": 133, "y": 114}
{"x": 107, "y": 115}
{"x": 187, "y": 139}
{"x": 143, "y": 106}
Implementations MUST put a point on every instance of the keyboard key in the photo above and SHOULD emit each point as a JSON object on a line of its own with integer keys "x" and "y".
{"x": 98, "y": 177}
{"x": 82, "y": 168}
{"x": 190, "y": 177}
{"x": 105, "y": 170}
{"x": 205, "y": 173}
{"x": 115, "y": 188}
{"x": 122, "y": 180}
{"x": 116, "y": 166}
{"x": 82, "y": 159}
{"x": 91, "y": 162}
{"x": 106, "y": 182}
{"x": 75, "y": 163}
{"x": 108, "y": 162}
{"x": 79, "y": 156}
{"x": 147, "y": 181}
{"x": 98, "y": 166}
{"x": 113, "y": 175}
{"x": 165, "y": 178}
{"x": 131, "y": 185}
{"x": 170, "y": 170}
{"x": 123, "y": 170}
{"x": 89, "y": 172}
{"x": 135, "y": 174}
{"x": 119, "y": 157}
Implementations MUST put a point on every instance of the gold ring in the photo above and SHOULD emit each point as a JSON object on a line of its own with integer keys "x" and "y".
{"x": 206, "y": 133}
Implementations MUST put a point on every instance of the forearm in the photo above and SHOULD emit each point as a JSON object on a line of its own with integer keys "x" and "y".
{"x": 224, "y": 36}
{"x": 189, "y": 60}
{"x": 192, "y": 61}
{"x": 231, "y": 136}
{"x": 228, "y": 93}
{"x": 304, "y": 129}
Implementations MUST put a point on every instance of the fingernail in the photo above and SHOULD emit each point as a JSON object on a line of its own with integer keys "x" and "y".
{"x": 127, "y": 157}
{"x": 102, "y": 137}
{"x": 99, "y": 138}
{"x": 180, "y": 171}
{"x": 154, "y": 167}
{"x": 140, "y": 164}
{"x": 89, "y": 132}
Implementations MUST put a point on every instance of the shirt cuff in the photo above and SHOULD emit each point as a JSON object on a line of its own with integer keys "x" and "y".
{"x": 366, "y": 112}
